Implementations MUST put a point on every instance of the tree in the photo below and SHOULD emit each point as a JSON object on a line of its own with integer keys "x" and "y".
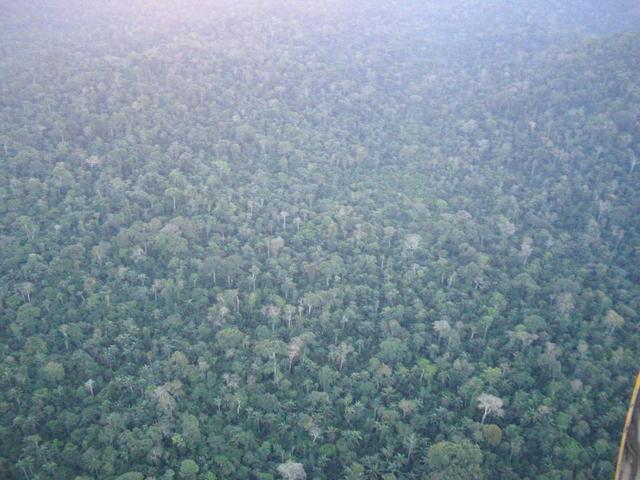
{"x": 53, "y": 372}
{"x": 427, "y": 370}
{"x": 613, "y": 320}
{"x": 189, "y": 469}
{"x": 412, "y": 242}
{"x": 99, "y": 251}
{"x": 410, "y": 442}
{"x": 272, "y": 312}
{"x": 442, "y": 327}
{"x": 131, "y": 476}
{"x": 355, "y": 471}
{"x": 89, "y": 385}
{"x": 191, "y": 430}
{"x": 392, "y": 350}
{"x": 26, "y": 289}
{"x": 165, "y": 399}
{"x": 407, "y": 406}
{"x": 270, "y": 349}
{"x": 454, "y": 461}
{"x": 339, "y": 354}
{"x": 492, "y": 434}
{"x": 274, "y": 245}
{"x": 526, "y": 249}
{"x": 490, "y": 404}
{"x": 292, "y": 471}
{"x": 296, "y": 346}
{"x": 29, "y": 226}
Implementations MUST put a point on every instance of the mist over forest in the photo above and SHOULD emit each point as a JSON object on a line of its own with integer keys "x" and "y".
{"x": 318, "y": 239}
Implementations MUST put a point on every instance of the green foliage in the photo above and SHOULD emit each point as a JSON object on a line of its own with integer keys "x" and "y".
{"x": 53, "y": 372}
{"x": 492, "y": 434}
{"x": 377, "y": 240}
{"x": 131, "y": 476}
{"x": 188, "y": 470}
{"x": 454, "y": 461}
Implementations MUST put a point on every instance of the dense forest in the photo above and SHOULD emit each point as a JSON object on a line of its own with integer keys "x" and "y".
{"x": 323, "y": 240}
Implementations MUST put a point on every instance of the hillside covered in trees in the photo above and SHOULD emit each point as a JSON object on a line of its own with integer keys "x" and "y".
{"x": 322, "y": 240}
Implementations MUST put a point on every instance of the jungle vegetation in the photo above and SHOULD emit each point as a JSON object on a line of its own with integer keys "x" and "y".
{"x": 323, "y": 240}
